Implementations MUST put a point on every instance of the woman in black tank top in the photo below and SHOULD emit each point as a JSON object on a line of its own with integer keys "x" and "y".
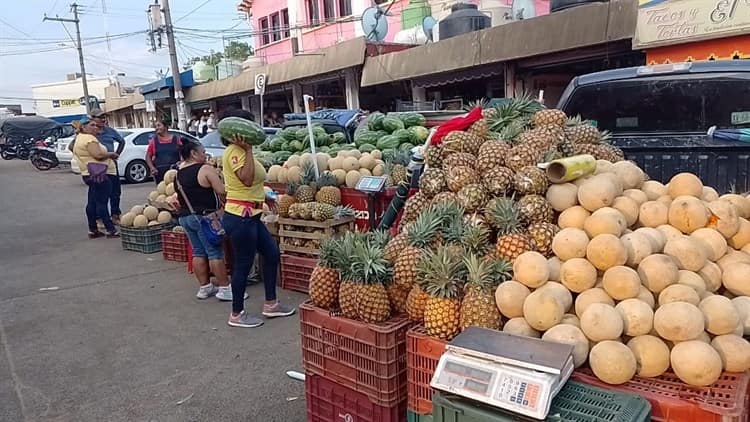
{"x": 198, "y": 189}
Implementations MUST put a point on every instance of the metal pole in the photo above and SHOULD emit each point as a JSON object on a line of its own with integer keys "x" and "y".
{"x": 262, "y": 121}
{"x": 307, "y": 99}
{"x": 178, "y": 94}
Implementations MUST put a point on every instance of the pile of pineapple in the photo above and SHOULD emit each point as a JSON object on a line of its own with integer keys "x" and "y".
{"x": 313, "y": 199}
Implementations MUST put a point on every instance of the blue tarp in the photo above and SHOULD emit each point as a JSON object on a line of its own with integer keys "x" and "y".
{"x": 345, "y": 118}
{"x": 186, "y": 78}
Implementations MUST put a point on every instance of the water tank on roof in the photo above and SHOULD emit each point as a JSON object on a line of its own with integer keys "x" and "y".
{"x": 202, "y": 72}
{"x": 227, "y": 69}
{"x": 464, "y": 18}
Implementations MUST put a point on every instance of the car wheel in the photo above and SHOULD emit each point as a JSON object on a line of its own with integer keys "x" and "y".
{"x": 136, "y": 171}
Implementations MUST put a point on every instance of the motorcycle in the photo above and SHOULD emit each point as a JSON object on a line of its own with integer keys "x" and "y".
{"x": 16, "y": 149}
{"x": 21, "y": 133}
{"x": 43, "y": 155}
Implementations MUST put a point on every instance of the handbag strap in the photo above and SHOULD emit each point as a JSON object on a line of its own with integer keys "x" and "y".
{"x": 184, "y": 196}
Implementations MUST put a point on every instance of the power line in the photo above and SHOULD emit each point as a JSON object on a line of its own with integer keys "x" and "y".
{"x": 192, "y": 11}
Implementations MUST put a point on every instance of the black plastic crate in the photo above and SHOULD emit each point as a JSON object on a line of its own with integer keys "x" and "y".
{"x": 143, "y": 239}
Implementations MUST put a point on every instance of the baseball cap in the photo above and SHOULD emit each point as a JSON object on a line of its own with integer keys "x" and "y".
{"x": 97, "y": 112}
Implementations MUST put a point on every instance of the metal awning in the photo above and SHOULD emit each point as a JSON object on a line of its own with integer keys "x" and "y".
{"x": 578, "y": 27}
{"x": 186, "y": 78}
{"x": 479, "y": 72}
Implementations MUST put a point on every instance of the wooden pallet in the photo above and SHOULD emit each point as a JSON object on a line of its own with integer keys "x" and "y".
{"x": 289, "y": 229}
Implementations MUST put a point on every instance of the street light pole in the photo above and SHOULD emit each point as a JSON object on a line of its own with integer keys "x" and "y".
{"x": 179, "y": 96}
{"x": 79, "y": 46}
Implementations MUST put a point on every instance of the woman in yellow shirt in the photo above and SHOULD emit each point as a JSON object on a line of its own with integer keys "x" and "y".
{"x": 243, "y": 179}
{"x": 96, "y": 165}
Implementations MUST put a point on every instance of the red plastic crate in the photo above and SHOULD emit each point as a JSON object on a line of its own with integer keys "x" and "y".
{"x": 296, "y": 271}
{"x": 358, "y": 201}
{"x": 331, "y": 402}
{"x": 228, "y": 257}
{"x": 368, "y": 358}
{"x": 422, "y": 355}
{"x": 174, "y": 246}
{"x": 672, "y": 400}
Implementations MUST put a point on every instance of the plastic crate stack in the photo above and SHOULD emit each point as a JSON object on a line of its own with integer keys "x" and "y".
{"x": 422, "y": 355}
{"x": 359, "y": 202}
{"x": 354, "y": 370}
{"x": 174, "y": 246}
{"x": 143, "y": 239}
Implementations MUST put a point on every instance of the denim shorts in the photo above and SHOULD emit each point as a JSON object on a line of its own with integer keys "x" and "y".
{"x": 201, "y": 247}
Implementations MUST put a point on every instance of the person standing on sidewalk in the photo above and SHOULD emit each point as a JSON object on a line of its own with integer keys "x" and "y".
{"x": 108, "y": 137}
{"x": 163, "y": 151}
{"x": 243, "y": 178}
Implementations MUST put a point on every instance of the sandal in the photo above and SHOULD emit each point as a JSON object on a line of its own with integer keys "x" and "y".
{"x": 95, "y": 234}
{"x": 113, "y": 235}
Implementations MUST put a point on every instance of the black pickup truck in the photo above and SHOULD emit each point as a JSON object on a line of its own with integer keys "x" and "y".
{"x": 660, "y": 115}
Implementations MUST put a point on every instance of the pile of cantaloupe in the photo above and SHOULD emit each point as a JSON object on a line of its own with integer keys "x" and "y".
{"x": 645, "y": 277}
{"x": 347, "y": 166}
{"x": 166, "y": 190}
{"x": 145, "y": 216}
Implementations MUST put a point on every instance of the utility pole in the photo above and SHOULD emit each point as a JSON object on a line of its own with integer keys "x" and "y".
{"x": 179, "y": 96}
{"x": 75, "y": 20}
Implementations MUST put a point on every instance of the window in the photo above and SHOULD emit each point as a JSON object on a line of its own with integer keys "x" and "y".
{"x": 345, "y": 7}
{"x": 329, "y": 10}
{"x": 143, "y": 138}
{"x": 285, "y": 23}
{"x": 264, "y": 31}
{"x": 275, "y": 27}
{"x": 313, "y": 12}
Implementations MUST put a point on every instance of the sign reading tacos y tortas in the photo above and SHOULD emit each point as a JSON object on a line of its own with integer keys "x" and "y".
{"x": 665, "y": 22}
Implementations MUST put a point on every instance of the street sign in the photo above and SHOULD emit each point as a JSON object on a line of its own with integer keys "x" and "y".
{"x": 260, "y": 83}
{"x": 150, "y": 106}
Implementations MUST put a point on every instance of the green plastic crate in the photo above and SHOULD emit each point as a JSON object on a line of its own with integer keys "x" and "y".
{"x": 413, "y": 417}
{"x": 576, "y": 402}
{"x": 143, "y": 239}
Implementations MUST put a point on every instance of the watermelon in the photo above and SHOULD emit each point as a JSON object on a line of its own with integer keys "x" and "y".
{"x": 405, "y": 146}
{"x": 367, "y": 148}
{"x": 296, "y": 146}
{"x": 403, "y": 135}
{"x": 288, "y": 134}
{"x": 388, "y": 154}
{"x": 388, "y": 142}
{"x": 419, "y": 133}
{"x": 323, "y": 149}
{"x": 284, "y": 146}
{"x": 339, "y": 138}
{"x": 281, "y": 157}
{"x": 375, "y": 121}
{"x": 300, "y": 134}
{"x": 276, "y": 144}
{"x": 322, "y": 138}
{"x": 250, "y": 132}
{"x": 392, "y": 124}
{"x": 367, "y": 138}
{"x": 347, "y": 147}
{"x": 413, "y": 119}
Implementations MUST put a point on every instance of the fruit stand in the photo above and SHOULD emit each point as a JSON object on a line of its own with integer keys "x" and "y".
{"x": 646, "y": 281}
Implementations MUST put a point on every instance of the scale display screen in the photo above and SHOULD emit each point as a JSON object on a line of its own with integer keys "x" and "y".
{"x": 468, "y": 378}
{"x": 371, "y": 183}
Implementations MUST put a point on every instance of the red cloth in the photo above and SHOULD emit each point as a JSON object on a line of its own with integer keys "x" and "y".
{"x": 456, "y": 123}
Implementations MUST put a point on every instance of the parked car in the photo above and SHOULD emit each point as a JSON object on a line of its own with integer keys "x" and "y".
{"x": 132, "y": 162}
{"x": 215, "y": 149}
{"x": 68, "y": 135}
{"x": 660, "y": 115}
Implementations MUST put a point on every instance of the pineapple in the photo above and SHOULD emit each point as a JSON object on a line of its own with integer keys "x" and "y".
{"x": 442, "y": 282}
{"x": 480, "y": 128}
{"x": 433, "y": 156}
{"x": 444, "y": 198}
{"x": 567, "y": 147}
{"x": 601, "y": 152}
{"x": 515, "y": 111}
{"x": 321, "y": 211}
{"x": 504, "y": 215}
{"x": 307, "y": 189}
{"x": 543, "y": 233}
{"x": 371, "y": 271}
{"x": 478, "y": 307}
{"x": 415, "y": 303}
{"x": 510, "y": 246}
{"x": 460, "y": 159}
{"x": 476, "y": 239}
{"x": 530, "y": 180}
{"x": 421, "y": 236}
{"x": 397, "y": 296}
{"x": 399, "y": 173}
{"x": 458, "y": 141}
{"x": 521, "y": 156}
{"x": 285, "y": 202}
{"x": 549, "y": 117}
{"x": 432, "y": 182}
{"x": 329, "y": 192}
{"x": 498, "y": 180}
{"x": 458, "y": 177}
{"x": 306, "y": 210}
{"x": 492, "y": 154}
{"x": 348, "y": 286}
{"x": 414, "y": 206}
{"x": 325, "y": 279}
{"x": 579, "y": 131}
{"x": 395, "y": 246}
{"x": 473, "y": 197}
{"x": 305, "y": 193}
{"x": 535, "y": 209}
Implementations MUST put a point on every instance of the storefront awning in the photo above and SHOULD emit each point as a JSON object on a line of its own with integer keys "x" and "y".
{"x": 578, "y": 27}
{"x": 186, "y": 78}
{"x": 440, "y": 79}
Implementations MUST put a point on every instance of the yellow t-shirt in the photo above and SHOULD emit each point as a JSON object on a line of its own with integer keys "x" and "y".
{"x": 80, "y": 149}
{"x": 233, "y": 160}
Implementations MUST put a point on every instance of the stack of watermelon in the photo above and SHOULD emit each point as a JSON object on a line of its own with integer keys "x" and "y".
{"x": 391, "y": 132}
{"x": 294, "y": 140}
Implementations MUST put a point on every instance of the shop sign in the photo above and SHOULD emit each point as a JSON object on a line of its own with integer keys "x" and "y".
{"x": 65, "y": 103}
{"x": 665, "y": 22}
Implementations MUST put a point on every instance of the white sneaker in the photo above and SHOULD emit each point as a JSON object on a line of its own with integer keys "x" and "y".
{"x": 207, "y": 291}
{"x": 225, "y": 294}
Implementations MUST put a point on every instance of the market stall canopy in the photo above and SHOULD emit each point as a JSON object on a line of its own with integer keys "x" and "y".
{"x": 578, "y": 27}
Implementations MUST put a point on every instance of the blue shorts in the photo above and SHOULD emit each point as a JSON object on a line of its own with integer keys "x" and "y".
{"x": 201, "y": 247}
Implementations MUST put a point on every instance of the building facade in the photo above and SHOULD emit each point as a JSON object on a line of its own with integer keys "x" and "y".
{"x": 63, "y": 100}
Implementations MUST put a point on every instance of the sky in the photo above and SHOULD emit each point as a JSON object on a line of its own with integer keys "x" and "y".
{"x": 34, "y": 52}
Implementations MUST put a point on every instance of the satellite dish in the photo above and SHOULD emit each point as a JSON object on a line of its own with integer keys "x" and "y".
{"x": 428, "y": 24}
{"x": 523, "y": 9}
{"x": 374, "y": 24}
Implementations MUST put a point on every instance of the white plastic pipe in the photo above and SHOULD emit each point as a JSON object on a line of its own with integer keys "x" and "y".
{"x": 307, "y": 98}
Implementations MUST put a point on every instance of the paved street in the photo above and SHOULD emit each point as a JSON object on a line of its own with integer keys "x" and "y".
{"x": 123, "y": 337}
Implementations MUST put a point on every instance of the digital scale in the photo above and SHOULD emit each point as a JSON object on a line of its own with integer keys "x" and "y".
{"x": 518, "y": 374}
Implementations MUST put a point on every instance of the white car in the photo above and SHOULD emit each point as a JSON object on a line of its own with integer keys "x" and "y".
{"x": 68, "y": 135}
{"x": 132, "y": 162}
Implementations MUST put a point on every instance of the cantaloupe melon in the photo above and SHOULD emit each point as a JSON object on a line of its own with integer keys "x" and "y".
{"x": 140, "y": 221}
{"x": 696, "y": 363}
{"x": 601, "y": 322}
{"x": 605, "y": 223}
{"x": 712, "y": 242}
{"x": 630, "y": 174}
{"x": 519, "y": 327}
{"x": 306, "y": 159}
{"x": 562, "y": 293}
{"x": 581, "y": 180}
{"x": 731, "y": 257}
{"x": 562, "y": 196}
{"x": 657, "y": 272}
{"x": 151, "y": 212}
{"x": 542, "y": 310}
{"x": 322, "y": 159}
{"x": 685, "y": 184}
{"x": 153, "y": 223}
{"x": 612, "y": 362}
{"x": 294, "y": 174}
{"x": 335, "y": 163}
{"x": 621, "y": 282}
{"x": 350, "y": 163}
{"x": 688, "y": 214}
{"x": 340, "y": 176}
{"x": 637, "y": 317}
{"x": 679, "y": 321}
{"x": 709, "y": 194}
{"x": 352, "y": 178}
{"x": 654, "y": 189}
{"x": 638, "y": 246}
{"x": 742, "y": 237}
{"x": 164, "y": 217}
{"x": 735, "y": 278}
{"x": 687, "y": 253}
{"x": 606, "y": 251}
{"x": 589, "y": 297}
{"x": 283, "y": 176}
{"x": 599, "y": 191}
{"x": 364, "y": 172}
{"x": 367, "y": 161}
{"x": 554, "y": 264}
{"x": 531, "y": 269}
{"x": 273, "y": 173}
{"x": 720, "y": 315}
{"x": 377, "y": 154}
{"x": 653, "y": 214}
{"x": 604, "y": 166}
{"x": 615, "y": 213}
{"x": 724, "y": 218}
{"x": 712, "y": 276}
{"x": 570, "y": 334}
{"x": 293, "y": 160}
{"x": 651, "y": 355}
{"x": 126, "y": 220}
{"x": 161, "y": 198}
{"x": 734, "y": 352}
{"x": 636, "y": 194}
{"x": 628, "y": 208}
{"x": 509, "y": 297}
{"x": 742, "y": 304}
{"x": 153, "y": 195}
{"x": 693, "y": 280}
{"x": 378, "y": 170}
{"x": 741, "y": 204}
{"x": 170, "y": 176}
{"x": 669, "y": 232}
{"x": 170, "y": 189}
{"x": 679, "y": 293}
{"x": 574, "y": 217}
{"x": 570, "y": 243}
{"x": 578, "y": 275}
{"x": 657, "y": 238}
{"x": 571, "y": 319}
{"x": 645, "y": 295}
{"x": 162, "y": 187}
{"x": 137, "y": 210}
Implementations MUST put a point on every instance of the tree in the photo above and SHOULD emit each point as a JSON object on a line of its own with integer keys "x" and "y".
{"x": 238, "y": 51}
{"x": 212, "y": 59}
